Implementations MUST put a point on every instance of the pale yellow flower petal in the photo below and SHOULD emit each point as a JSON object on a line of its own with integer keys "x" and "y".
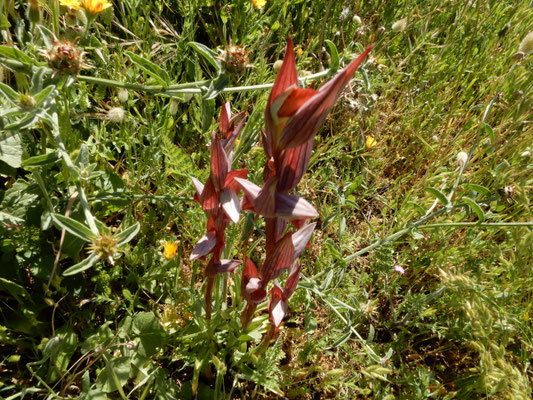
{"x": 370, "y": 142}
{"x": 170, "y": 249}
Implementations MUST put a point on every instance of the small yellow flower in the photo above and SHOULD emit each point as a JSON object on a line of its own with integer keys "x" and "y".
{"x": 74, "y": 4}
{"x": 299, "y": 51}
{"x": 95, "y": 6}
{"x": 259, "y": 3}
{"x": 90, "y": 6}
{"x": 237, "y": 142}
{"x": 370, "y": 142}
{"x": 169, "y": 250}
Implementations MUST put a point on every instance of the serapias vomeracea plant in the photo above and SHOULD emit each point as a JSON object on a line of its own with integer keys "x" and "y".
{"x": 219, "y": 199}
{"x": 293, "y": 115}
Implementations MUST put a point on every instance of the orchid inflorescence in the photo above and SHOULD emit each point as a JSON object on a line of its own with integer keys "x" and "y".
{"x": 293, "y": 116}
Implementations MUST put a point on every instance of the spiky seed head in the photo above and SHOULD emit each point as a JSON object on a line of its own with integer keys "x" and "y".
{"x": 234, "y": 59}
{"x": 65, "y": 58}
{"x": 26, "y": 101}
{"x": 105, "y": 245}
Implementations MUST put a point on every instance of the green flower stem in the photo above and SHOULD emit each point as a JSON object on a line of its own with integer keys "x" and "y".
{"x": 478, "y": 134}
{"x": 90, "y": 18}
{"x": 417, "y": 224}
{"x": 192, "y": 87}
{"x": 197, "y": 87}
{"x": 70, "y": 165}
{"x": 477, "y": 224}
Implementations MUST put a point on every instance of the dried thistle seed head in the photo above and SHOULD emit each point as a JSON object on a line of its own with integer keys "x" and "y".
{"x": 116, "y": 114}
{"x": 526, "y": 45}
{"x": 26, "y": 101}
{"x": 399, "y": 26}
{"x": 234, "y": 59}
{"x": 65, "y": 58}
{"x": 105, "y": 245}
{"x": 123, "y": 95}
{"x": 461, "y": 158}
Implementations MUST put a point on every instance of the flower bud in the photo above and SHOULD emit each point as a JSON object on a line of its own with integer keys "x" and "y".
{"x": 526, "y": 45}
{"x": 26, "y": 101}
{"x": 461, "y": 159}
{"x": 173, "y": 108}
{"x": 259, "y": 3}
{"x": 277, "y": 65}
{"x": 370, "y": 142}
{"x": 116, "y": 114}
{"x": 123, "y": 95}
{"x": 399, "y": 26}
{"x": 357, "y": 19}
{"x": 34, "y": 11}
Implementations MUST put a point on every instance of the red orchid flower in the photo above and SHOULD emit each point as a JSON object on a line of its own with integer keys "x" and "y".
{"x": 219, "y": 199}
{"x": 293, "y": 115}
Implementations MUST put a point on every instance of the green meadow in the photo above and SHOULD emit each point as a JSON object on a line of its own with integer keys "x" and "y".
{"x": 417, "y": 282}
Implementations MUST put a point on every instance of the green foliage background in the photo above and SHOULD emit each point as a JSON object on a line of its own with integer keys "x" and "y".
{"x": 456, "y": 324}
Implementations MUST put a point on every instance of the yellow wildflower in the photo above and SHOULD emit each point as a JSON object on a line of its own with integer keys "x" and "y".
{"x": 259, "y": 3}
{"x": 95, "y": 6}
{"x": 90, "y": 6}
{"x": 370, "y": 142}
{"x": 299, "y": 51}
{"x": 74, "y": 4}
{"x": 169, "y": 250}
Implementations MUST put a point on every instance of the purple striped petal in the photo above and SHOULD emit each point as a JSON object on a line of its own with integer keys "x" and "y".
{"x": 204, "y": 246}
{"x": 300, "y": 239}
{"x": 293, "y": 207}
{"x": 226, "y": 266}
{"x": 231, "y": 204}
{"x": 198, "y": 186}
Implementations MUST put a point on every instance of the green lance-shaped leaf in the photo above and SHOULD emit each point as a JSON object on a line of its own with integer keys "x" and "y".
{"x": 210, "y": 55}
{"x": 334, "y": 56}
{"x": 11, "y": 149}
{"x": 82, "y": 266}
{"x": 217, "y": 85}
{"x": 478, "y": 188}
{"x": 15, "y": 54}
{"x": 155, "y": 71}
{"x": 74, "y": 227}
{"x": 475, "y": 208}
{"x": 40, "y": 160}
{"x": 9, "y": 94}
{"x": 438, "y": 194}
{"x": 127, "y": 234}
{"x": 43, "y": 94}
